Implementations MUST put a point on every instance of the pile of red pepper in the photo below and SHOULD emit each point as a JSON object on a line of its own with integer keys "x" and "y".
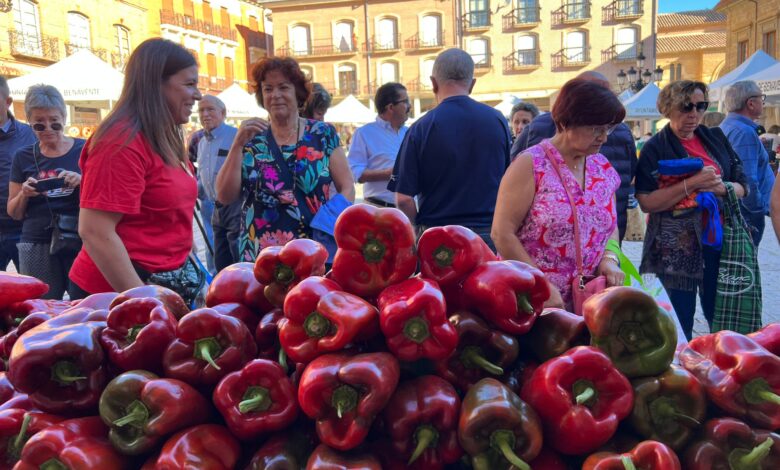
{"x": 423, "y": 354}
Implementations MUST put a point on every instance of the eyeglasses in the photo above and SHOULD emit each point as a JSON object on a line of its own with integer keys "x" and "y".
{"x": 406, "y": 102}
{"x": 700, "y": 107}
{"x": 40, "y": 127}
{"x": 603, "y": 130}
{"x": 763, "y": 97}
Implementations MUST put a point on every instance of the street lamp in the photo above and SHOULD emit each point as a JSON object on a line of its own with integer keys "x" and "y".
{"x": 635, "y": 78}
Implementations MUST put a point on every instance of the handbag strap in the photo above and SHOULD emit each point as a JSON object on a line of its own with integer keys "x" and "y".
{"x": 284, "y": 170}
{"x": 577, "y": 240}
{"x": 45, "y": 193}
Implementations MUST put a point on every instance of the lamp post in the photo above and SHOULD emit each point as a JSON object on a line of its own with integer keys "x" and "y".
{"x": 635, "y": 79}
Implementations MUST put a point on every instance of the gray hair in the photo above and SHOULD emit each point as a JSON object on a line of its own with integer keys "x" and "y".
{"x": 218, "y": 102}
{"x": 523, "y": 106}
{"x": 738, "y": 94}
{"x": 5, "y": 92}
{"x": 44, "y": 97}
{"x": 454, "y": 65}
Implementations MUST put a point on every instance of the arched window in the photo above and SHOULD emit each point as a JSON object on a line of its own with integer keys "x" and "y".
{"x": 626, "y": 43}
{"x": 478, "y": 49}
{"x": 347, "y": 79}
{"x": 426, "y": 70}
{"x": 78, "y": 29}
{"x": 121, "y": 46}
{"x": 527, "y": 11}
{"x": 479, "y": 13}
{"x": 387, "y": 34}
{"x": 27, "y": 26}
{"x": 300, "y": 40}
{"x": 574, "y": 48}
{"x": 430, "y": 31}
{"x": 343, "y": 36}
{"x": 525, "y": 49}
{"x": 388, "y": 72}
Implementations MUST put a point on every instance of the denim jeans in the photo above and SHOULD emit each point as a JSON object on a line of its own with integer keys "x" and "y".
{"x": 8, "y": 250}
{"x": 227, "y": 225}
{"x": 684, "y": 301}
{"x": 206, "y": 213}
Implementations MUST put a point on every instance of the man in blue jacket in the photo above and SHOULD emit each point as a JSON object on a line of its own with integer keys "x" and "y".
{"x": 620, "y": 150}
{"x": 745, "y": 103}
{"x": 13, "y": 136}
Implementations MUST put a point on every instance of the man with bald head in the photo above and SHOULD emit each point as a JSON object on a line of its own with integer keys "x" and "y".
{"x": 620, "y": 149}
{"x": 213, "y": 149}
{"x": 452, "y": 159}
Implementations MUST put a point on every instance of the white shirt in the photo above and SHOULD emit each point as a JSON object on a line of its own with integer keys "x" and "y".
{"x": 374, "y": 147}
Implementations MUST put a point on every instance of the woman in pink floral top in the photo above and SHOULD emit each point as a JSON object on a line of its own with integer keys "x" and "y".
{"x": 533, "y": 219}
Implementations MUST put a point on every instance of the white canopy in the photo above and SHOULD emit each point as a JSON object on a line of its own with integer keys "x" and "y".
{"x": 769, "y": 82}
{"x": 643, "y": 104}
{"x": 241, "y": 104}
{"x": 80, "y": 77}
{"x": 756, "y": 63}
{"x": 350, "y": 110}
{"x": 506, "y": 105}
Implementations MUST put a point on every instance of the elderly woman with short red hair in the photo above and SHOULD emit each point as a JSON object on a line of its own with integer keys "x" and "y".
{"x": 533, "y": 221}
{"x": 281, "y": 174}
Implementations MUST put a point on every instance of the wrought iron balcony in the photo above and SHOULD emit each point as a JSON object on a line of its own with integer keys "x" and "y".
{"x": 193, "y": 24}
{"x": 481, "y": 61}
{"x": 417, "y": 42}
{"x": 71, "y": 49}
{"x": 420, "y": 85}
{"x": 621, "y": 52}
{"x": 623, "y": 10}
{"x": 118, "y": 61}
{"x": 476, "y": 20}
{"x": 318, "y": 48}
{"x": 384, "y": 44}
{"x": 522, "y": 60}
{"x": 573, "y": 12}
{"x": 343, "y": 88}
{"x": 526, "y": 17}
{"x": 38, "y": 46}
{"x": 571, "y": 57}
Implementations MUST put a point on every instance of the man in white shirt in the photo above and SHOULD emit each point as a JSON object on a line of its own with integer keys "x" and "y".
{"x": 375, "y": 145}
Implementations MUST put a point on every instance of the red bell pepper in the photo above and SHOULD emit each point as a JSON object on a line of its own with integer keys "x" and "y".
{"x": 325, "y": 458}
{"x": 60, "y": 367}
{"x": 375, "y": 249}
{"x": 240, "y": 311}
{"x": 172, "y": 301}
{"x": 520, "y": 373}
{"x": 17, "y": 288}
{"x": 137, "y": 333}
{"x": 21, "y": 401}
{"x": 449, "y": 254}
{"x": 290, "y": 450}
{"x": 280, "y": 268}
{"x": 498, "y": 429}
{"x": 267, "y": 335}
{"x": 237, "y": 283}
{"x": 768, "y": 337}
{"x": 141, "y": 409}
{"x": 100, "y": 301}
{"x": 15, "y": 313}
{"x": 740, "y": 377}
{"x": 207, "y": 347}
{"x": 509, "y": 294}
{"x": 345, "y": 393}
{"x": 6, "y": 389}
{"x": 257, "y": 400}
{"x": 205, "y": 447}
{"x": 727, "y": 443}
{"x": 16, "y": 428}
{"x": 581, "y": 397}
{"x": 555, "y": 332}
{"x": 481, "y": 352}
{"x": 29, "y": 322}
{"x": 422, "y": 422}
{"x": 648, "y": 455}
{"x": 548, "y": 460}
{"x": 75, "y": 444}
{"x": 319, "y": 318}
{"x": 413, "y": 318}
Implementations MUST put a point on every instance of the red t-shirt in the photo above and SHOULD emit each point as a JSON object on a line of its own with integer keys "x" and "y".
{"x": 695, "y": 148}
{"x": 157, "y": 202}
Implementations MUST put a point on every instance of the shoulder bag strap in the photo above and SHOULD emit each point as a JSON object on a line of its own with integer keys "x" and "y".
{"x": 45, "y": 195}
{"x": 285, "y": 173}
{"x": 577, "y": 241}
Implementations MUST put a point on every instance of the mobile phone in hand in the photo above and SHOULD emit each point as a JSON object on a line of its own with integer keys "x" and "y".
{"x": 49, "y": 183}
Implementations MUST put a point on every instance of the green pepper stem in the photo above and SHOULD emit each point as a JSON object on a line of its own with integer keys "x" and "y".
{"x": 524, "y": 304}
{"x": 132, "y": 333}
{"x": 137, "y": 415}
{"x": 344, "y": 399}
{"x": 444, "y": 256}
{"x": 283, "y": 359}
{"x": 472, "y": 357}
{"x": 19, "y": 440}
{"x": 585, "y": 395}
{"x": 66, "y": 372}
{"x": 207, "y": 349}
{"x": 627, "y": 463}
{"x": 316, "y": 325}
{"x": 416, "y": 330}
{"x": 503, "y": 441}
{"x": 425, "y": 437}
{"x": 255, "y": 399}
{"x": 687, "y": 421}
{"x": 284, "y": 274}
{"x": 754, "y": 458}
{"x": 758, "y": 391}
{"x": 373, "y": 250}
{"x": 771, "y": 397}
{"x": 53, "y": 464}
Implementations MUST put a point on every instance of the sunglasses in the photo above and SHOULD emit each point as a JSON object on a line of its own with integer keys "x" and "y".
{"x": 763, "y": 97}
{"x": 40, "y": 127}
{"x": 700, "y": 107}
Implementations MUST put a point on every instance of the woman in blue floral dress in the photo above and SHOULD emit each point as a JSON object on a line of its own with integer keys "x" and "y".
{"x": 283, "y": 174}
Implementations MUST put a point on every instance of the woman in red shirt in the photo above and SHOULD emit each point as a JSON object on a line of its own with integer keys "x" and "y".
{"x": 138, "y": 190}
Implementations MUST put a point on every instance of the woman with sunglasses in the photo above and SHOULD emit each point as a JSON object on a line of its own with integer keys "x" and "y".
{"x": 45, "y": 180}
{"x": 673, "y": 248}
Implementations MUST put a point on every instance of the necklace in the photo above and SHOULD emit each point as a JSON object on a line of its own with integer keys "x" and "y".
{"x": 291, "y": 137}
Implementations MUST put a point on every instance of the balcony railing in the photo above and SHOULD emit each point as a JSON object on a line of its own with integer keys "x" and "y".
{"x": 420, "y": 85}
{"x": 571, "y": 57}
{"x": 384, "y": 44}
{"x": 481, "y": 61}
{"x": 193, "y": 24}
{"x": 522, "y": 18}
{"x": 623, "y": 10}
{"x": 573, "y": 12}
{"x": 521, "y": 60}
{"x": 118, "y": 61}
{"x": 476, "y": 20}
{"x": 71, "y": 49}
{"x": 621, "y": 52}
{"x": 417, "y": 42}
{"x": 35, "y": 46}
{"x": 343, "y": 88}
{"x": 318, "y": 48}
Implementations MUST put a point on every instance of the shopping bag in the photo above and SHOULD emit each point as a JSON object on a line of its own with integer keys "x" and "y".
{"x": 635, "y": 225}
{"x": 738, "y": 302}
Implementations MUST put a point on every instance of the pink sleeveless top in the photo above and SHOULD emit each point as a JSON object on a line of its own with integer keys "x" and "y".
{"x": 547, "y": 233}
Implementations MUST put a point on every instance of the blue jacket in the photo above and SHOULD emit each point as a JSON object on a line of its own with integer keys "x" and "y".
{"x": 742, "y": 135}
{"x": 619, "y": 149}
{"x": 19, "y": 135}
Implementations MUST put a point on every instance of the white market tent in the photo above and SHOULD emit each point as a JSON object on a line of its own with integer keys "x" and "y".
{"x": 241, "y": 104}
{"x": 769, "y": 82}
{"x": 642, "y": 105}
{"x": 81, "y": 77}
{"x": 350, "y": 110}
{"x": 756, "y": 63}
{"x": 506, "y": 105}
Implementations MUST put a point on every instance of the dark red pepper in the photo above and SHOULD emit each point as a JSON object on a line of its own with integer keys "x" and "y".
{"x": 237, "y": 283}
{"x": 450, "y": 253}
{"x": 202, "y": 447}
{"x": 16, "y": 428}
{"x": 100, "y": 301}
{"x": 172, "y": 301}
{"x": 648, "y": 455}
{"x": 555, "y": 332}
{"x": 288, "y": 451}
{"x": 15, "y": 313}
{"x": 280, "y": 268}
{"x": 29, "y": 322}
{"x": 267, "y": 335}
{"x": 548, "y": 460}
{"x": 17, "y": 288}
{"x": 240, "y": 311}
{"x": 730, "y": 444}
{"x": 768, "y": 337}
{"x": 413, "y": 318}
{"x": 325, "y": 458}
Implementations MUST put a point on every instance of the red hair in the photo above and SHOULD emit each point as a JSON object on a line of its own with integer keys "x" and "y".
{"x": 586, "y": 103}
{"x": 290, "y": 69}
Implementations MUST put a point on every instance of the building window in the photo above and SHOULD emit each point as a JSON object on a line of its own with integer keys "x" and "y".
{"x": 575, "y": 47}
{"x": 208, "y": 17}
{"x": 525, "y": 50}
{"x": 78, "y": 29}
{"x": 679, "y": 72}
{"x": 626, "y": 44}
{"x": 167, "y": 5}
{"x": 254, "y": 25}
{"x": 769, "y": 43}
{"x": 387, "y": 37}
{"x": 343, "y": 36}
{"x": 479, "y": 51}
{"x": 300, "y": 40}
{"x": 426, "y": 70}
{"x": 347, "y": 79}
{"x": 430, "y": 31}
{"x": 388, "y": 72}
{"x": 211, "y": 65}
{"x": 742, "y": 50}
{"x": 27, "y": 26}
{"x": 228, "y": 62}
{"x": 527, "y": 11}
{"x": 672, "y": 75}
{"x": 224, "y": 19}
{"x": 189, "y": 13}
{"x": 479, "y": 13}
{"x": 308, "y": 71}
{"x": 122, "y": 43}
{"x": 629, "y": 7}
{"x": 577, "y": 10}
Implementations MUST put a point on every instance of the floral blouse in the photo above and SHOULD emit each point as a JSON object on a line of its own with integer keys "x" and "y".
{"x": 547, "y": 233}
{"x": 272, "y": 211}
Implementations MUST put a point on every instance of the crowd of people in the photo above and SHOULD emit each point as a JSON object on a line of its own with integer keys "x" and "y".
{"x": 550, "y": 189}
